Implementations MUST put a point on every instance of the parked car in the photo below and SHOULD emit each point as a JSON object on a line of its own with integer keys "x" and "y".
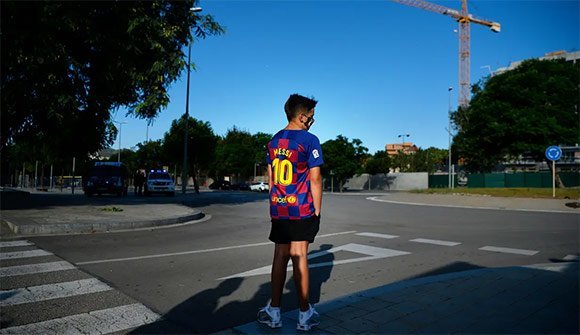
{"x": 220, "y": 185}
{"x": 159, "y": 181}
{"x": 106, "y": 178}
{"x": 240, "y": 187}
{"x": 259, "y": 186}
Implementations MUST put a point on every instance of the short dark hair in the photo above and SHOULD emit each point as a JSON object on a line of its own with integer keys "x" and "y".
{"x": 297, "y": 104}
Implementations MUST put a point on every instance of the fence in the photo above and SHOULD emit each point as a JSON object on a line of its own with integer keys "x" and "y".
{"x": 513, "y": 180}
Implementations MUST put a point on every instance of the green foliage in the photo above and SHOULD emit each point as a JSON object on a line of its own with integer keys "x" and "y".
{"x": 235, "y": 154}
{"x": 380, "y": 162}
{"x": 521, "y": 111}
{"x": 66, "y": 65}
{"x": 150, "y": 155}
{"x": 343, "y": 157}
{"x": 201, "y": 145}
{"x": 427, "y": 160}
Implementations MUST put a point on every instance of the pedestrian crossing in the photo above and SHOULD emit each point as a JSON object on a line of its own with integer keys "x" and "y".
{"x": 43, "y": 294}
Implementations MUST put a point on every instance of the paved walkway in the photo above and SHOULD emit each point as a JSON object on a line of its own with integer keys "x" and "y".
{"x": 62, "y": 214}
{"x": 514, "y": 300}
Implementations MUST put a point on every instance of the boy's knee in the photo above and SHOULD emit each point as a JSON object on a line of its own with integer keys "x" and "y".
{"x": 297, "y": 253}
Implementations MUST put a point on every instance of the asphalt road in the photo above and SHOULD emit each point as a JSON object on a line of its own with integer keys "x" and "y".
{"x": 214, "y": 274}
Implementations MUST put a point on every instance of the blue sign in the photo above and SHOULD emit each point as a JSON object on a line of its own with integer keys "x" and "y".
{"x": 553, "y": 153}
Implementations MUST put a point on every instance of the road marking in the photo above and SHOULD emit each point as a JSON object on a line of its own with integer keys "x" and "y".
{"x": 371, "y": 253}
{"x": 195, "y": 251}
{"x": 15, "y": 244}
{"x": 470, "y": 207}
{"x": 571, "y": 258}
{"x": 385, "y": 236}
{"x": 51, "y": 291}
{"x": 510, "y": 250}
{"x": 35, "y": 268}
{"x": 436, "y": 242}
{"x": 102, "y": 321}
{"x": 23, "y": 254}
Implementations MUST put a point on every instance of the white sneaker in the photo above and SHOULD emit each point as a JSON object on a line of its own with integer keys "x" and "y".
{"x": 308, "y": 319}
{"x": 270, "y": 316}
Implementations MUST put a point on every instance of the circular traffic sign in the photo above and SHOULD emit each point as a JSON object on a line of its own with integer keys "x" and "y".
{"x": 553, "y": 153}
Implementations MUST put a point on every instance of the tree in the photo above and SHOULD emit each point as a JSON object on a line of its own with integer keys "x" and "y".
{"x": 428, "y": 160}
{"x": 342, "y": 158}
{"x": 521, "y": 111}
{"x": 150, "y": 155}
{"x": 202, "y": 143}
{"x": 380, "y": 162}
{"x": 235, "y": 154}
{"x": 66, "y": 65}
{"x": 260, "y": 148}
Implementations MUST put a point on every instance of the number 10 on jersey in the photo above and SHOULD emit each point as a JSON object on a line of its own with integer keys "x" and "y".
{"x": 282, "y": 170}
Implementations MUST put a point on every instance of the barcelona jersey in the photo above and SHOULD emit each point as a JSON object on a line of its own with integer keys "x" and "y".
{"x": 292, "y": 153}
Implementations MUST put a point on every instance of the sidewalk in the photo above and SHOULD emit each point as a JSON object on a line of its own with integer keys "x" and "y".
{"x": 51, "y": 215}
{"x": 514, "y": 300}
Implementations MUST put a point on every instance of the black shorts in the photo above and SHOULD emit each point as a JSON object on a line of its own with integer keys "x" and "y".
{"x": 286, "y": 231}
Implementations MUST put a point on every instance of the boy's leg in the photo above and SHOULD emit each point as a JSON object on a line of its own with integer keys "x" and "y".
{"x": 279, "y": 265}
{"x": 299, "y": 254}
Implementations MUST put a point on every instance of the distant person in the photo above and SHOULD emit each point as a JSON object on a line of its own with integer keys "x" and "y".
{"x": 139, "y": 180}
{"x": 294, "y": 160}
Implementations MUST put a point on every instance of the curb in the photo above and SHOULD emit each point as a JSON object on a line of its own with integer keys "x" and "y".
{"x": 90, "y": 227}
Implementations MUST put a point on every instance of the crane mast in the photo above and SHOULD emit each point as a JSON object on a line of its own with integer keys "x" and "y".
{"x": 464, "y": 19}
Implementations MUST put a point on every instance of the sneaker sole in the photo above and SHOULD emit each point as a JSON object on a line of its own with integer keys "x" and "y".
{"x": 272, "y": 325}
{"x": 306, "y": 328}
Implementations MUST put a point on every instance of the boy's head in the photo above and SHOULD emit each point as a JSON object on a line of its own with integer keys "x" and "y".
{"x": 298, "y": 104}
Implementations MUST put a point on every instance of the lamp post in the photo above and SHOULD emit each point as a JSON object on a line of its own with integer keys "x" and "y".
{"x": 120, "y": 130}
{"x": 186, "y": 118}
{"x": 402, "y": 137}
{"x": 450, "y": 177}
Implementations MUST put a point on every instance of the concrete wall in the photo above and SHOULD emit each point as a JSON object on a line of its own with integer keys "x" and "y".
{"x": 389, "y": 182}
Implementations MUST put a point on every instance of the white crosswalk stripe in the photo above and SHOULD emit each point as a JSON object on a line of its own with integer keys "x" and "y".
{"x": 510, "y": 250}
{"x": 52, "y": 291}
{"x": 436, "y": 242}
{"x": 96, "y": 322}
{"x": 8, "y": 244}
{"x": 124, "y": 313}
{"x": 385, "y": 236}
{"x": 23, "y": 254}
{"x": 35, "y": 268}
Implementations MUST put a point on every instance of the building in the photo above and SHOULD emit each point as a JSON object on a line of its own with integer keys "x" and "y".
{"x": 573, "y": 57}
{"x": 406, "y": 147}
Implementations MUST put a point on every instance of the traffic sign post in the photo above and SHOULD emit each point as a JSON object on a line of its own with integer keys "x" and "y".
{"x": 553, "y": 153}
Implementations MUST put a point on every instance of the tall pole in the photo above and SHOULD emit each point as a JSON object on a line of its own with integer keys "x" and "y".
{"x": 121, "y": 123}
{"x": 184, "y": 179}
{"x": 186, "y": 122}
{"x": 449, "y": 132}
{"x": 73, "y": 176}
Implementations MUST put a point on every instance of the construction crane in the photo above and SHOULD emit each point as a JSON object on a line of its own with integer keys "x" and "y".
{"x": 464, "y": 19}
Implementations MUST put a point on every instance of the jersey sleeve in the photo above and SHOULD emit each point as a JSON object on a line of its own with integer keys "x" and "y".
{"x": 268, "y": 158}
{"x": 315, "y": 153}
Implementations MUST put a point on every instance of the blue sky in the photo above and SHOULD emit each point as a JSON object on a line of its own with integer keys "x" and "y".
{"x": 378, "y": 68}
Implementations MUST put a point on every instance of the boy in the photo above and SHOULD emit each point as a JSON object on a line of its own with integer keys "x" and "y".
{"x": 294, "y": 160}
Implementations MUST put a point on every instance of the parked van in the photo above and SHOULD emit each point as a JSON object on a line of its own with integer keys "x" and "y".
{"x": 107, "y": 178}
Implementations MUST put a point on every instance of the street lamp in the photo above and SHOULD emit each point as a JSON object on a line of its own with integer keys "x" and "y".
{"x": 186, "y": 135}
{"x": 402, "y": 137}
{"x": 450, "y": 178}
{"x": 120, "y": 130}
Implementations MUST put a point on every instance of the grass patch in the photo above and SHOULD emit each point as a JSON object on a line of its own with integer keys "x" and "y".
{"x": 573, "y": 193}
{"x": 112, "y": 209}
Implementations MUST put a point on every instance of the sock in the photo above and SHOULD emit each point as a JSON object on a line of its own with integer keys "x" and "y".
{"x": 275, "y": 311}
{"x": 305, "y": 315}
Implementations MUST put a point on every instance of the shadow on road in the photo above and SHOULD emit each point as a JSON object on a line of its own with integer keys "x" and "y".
{"x": 201, "y": 314}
